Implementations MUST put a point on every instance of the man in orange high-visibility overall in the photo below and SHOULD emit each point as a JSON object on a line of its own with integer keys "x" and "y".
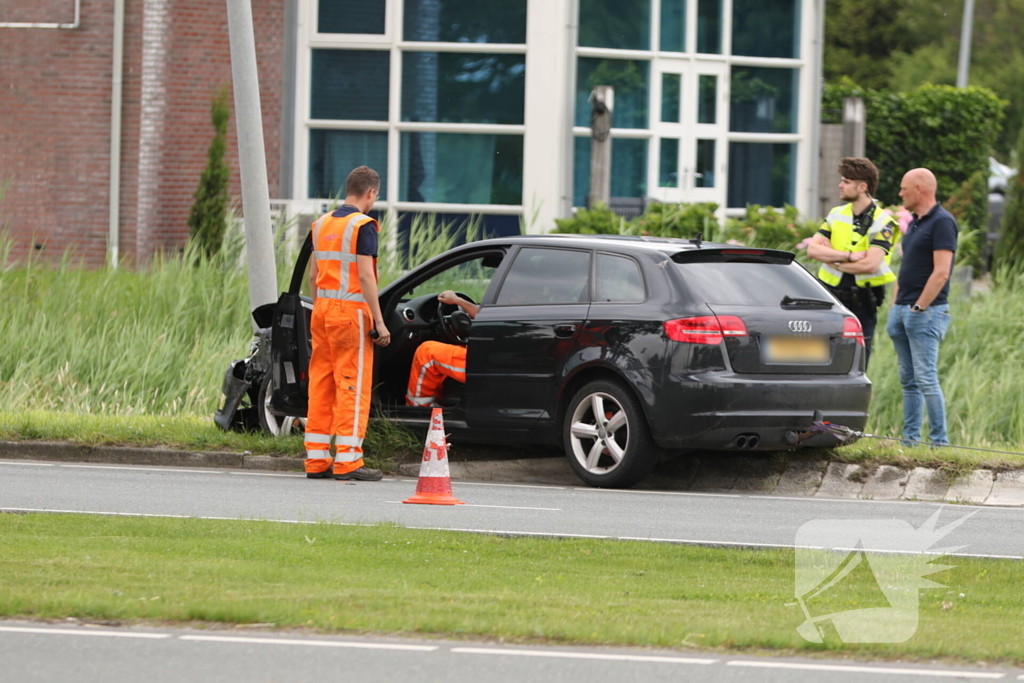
{"x": 435, "y": 360}
{"x": 343, "y": 283}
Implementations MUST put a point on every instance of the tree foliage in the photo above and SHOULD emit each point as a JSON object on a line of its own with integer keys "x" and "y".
{"x": 860, "y": 37}
{"x": 950, "y": 131}
{"x": 1010, "y": 248}
{"x": 901, "y": 44}
{"x": 207, "y": 219}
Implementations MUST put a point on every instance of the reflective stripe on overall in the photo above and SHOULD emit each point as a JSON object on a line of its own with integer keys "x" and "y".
{"x": 845, "y": 238}
{"x": 432, "y": 363}
{"x": 341, "y": 367}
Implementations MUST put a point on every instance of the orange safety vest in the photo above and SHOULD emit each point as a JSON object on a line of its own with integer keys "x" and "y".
{"x": 335, "y": 241}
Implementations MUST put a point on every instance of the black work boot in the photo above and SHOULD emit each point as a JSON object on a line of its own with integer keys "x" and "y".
{"x": 362, "y": 474}
{"x": 326, "y": 474}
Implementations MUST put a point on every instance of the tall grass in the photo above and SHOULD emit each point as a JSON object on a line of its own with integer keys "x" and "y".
{"x": 120, "y": 341}
{"x": 981, "y": 368}
{"x": 156, "y": 340}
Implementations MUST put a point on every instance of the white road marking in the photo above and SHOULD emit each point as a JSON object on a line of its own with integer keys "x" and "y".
{"x": 97, "y": 512}
{"x": 867, "y": 669}
{"x": 805, "y": 499}
{"x": 311, "y": 643}
{"x": 579, "y": 655}
{"x": 503, "y": 507}
{"x": 29, "y": 464}
{"x": 83, "y": 632}
{"x": 141, "y": 468}
{"x": 511, "y": 486}
{"x": 266, "y": 474}
{"x": 696, "y": 494}
{"x": 507, "y": 532}
{"x": 510, "y": 507}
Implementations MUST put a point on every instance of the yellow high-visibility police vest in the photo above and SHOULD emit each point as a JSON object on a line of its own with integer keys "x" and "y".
{"x": 845, "y": 238}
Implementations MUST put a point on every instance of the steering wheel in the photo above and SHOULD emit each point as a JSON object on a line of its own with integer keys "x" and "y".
{"x": 453, "y": 321}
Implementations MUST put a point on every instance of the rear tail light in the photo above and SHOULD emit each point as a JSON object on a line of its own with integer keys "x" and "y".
{"x": 853, "y": 330}
{"x": 705, "y": 329}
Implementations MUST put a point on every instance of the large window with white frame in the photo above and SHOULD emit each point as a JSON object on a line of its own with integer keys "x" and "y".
{"x": 430, "y": 93}
{"x": 706, "y": 98}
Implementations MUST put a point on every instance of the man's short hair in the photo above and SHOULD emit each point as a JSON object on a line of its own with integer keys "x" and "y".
{"x": 361, "y": 180}
{"x": 861, "y": 170}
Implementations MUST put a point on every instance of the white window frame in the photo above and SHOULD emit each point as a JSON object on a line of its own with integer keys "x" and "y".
{"x": 309, "y": 39}
{"x": 804, "y": 106}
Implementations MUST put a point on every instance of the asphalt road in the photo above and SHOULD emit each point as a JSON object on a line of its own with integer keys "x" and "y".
{"x": 724, "y": 519}
{"x": 34, "y": 652}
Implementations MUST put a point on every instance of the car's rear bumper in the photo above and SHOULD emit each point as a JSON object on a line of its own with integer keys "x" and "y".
{"x": 724, "y": 410}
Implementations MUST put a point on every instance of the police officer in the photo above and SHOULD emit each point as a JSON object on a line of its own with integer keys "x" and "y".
{"x": 855, "y": 244}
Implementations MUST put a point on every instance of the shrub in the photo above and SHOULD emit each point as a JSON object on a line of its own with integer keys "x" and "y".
{"x": 207, "y": 220}
{"x": 596, "y": 221}
{"x": 678, "y": 220}
{"x": 969, "y": 205}
{"x": 1010, "y": 248}
{"x": 770, "y": 228}
{"x": 950, "y": 131}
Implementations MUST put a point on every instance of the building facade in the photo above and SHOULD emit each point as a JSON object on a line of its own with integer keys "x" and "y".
{"x": 464, "y": 107}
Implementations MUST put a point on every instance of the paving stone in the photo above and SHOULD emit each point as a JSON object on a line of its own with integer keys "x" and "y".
{"x": 676, "y": 474}
{"x": 717, "y": 473}
{"x": 974, "y": 488}
{"x": 837, "y": 482}
{"x": 885, "y": 483}
{"x": 801, "y": 478}
{"x": 926, "y": 484}
{"x": 1008, "y": 489}
{"x": 757, "y": 474}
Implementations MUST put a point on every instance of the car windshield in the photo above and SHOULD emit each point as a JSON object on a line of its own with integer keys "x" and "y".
{"x": 749, "y": 284}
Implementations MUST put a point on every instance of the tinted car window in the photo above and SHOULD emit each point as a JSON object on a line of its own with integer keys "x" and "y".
{"x": 546, "y": 276}
{"x": 751, "y": 284}
{"x": 618, "y": 279}
{"x": 469, "y": 277}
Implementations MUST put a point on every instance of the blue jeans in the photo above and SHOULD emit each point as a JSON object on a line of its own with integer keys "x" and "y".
{"x": 916, "y": 337}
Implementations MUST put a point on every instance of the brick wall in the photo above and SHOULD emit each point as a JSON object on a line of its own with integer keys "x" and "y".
{"x": 55, "y": 120}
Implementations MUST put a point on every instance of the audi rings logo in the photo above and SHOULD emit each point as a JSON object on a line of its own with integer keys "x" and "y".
{"x": 800, "y": 326}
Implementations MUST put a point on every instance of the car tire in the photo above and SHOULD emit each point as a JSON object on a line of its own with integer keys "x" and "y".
{"x": 606, "y": 436}
{"x": 275, "y": 425}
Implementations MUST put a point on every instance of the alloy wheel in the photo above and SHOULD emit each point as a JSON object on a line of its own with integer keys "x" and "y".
{"x": 279, "y": 425}
{"x": 599, "y": 433}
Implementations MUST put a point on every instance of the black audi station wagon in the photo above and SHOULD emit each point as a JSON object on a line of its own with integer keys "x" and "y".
{"x": 621, "y": 349}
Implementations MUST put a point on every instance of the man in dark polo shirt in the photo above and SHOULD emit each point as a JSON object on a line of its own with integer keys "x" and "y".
{"x": 920, "y": 314}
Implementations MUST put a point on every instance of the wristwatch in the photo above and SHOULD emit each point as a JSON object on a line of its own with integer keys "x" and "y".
{"x": 917, "y": 309}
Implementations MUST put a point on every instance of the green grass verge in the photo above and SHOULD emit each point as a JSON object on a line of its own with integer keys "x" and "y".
{"x": 385, "y": 443}
{"x": 387, "y": 579}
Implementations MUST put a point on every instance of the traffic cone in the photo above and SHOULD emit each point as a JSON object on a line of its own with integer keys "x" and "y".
{"x": 435, "y": 483}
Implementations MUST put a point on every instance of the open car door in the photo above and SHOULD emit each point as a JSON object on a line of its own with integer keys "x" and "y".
{"x": 290, "y": 342}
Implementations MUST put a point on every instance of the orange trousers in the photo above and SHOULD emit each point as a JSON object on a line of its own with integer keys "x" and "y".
{"x": 340, "y": 384}
{"x": 432, "y": 363}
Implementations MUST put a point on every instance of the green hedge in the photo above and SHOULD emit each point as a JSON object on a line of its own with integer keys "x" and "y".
{"x": 759, "y": 227}
{"x": 950, "y": 131}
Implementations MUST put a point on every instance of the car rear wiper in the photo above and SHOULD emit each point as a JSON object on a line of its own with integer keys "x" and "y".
{"x": 800, "y": 302}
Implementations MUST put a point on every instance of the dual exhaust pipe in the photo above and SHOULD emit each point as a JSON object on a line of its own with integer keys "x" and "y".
{"x": 746, "y": 441}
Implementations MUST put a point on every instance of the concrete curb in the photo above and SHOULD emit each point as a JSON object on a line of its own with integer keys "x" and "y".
{"x": 65, "y": 452}
{"x": 737, "y": 474}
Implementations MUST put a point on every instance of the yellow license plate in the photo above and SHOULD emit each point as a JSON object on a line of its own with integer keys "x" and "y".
{"x": 795, "y": 350}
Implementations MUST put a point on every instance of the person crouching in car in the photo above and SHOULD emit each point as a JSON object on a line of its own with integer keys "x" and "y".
{"x": 436, "y": 360}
